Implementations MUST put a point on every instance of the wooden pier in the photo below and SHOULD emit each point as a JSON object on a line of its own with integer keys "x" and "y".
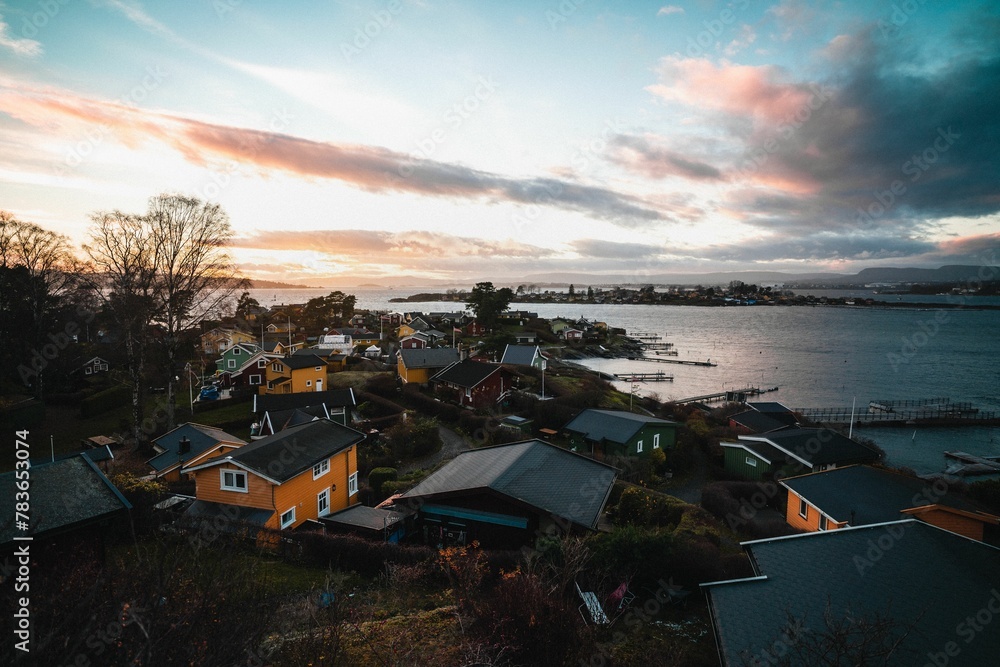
{"x": 684, "y": 362}
{"x": 920, "y": 412}
{"x": 644, "y": 377}
{"x": 732, "y": 395}
{"x": 669, "y": 353}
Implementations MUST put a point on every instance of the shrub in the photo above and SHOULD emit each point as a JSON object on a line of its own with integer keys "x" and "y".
{"x": 640, "y": 507}
{"x": 368, "y": 558}
{"x": 380, "y": 475}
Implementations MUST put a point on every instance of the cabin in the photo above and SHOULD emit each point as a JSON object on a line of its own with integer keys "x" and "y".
{"x": 273, "y": 410}
{"x": 235, "y": 356}
{"x": 619, "y": 433}
{"x": 417, "y": 366}
{"x": 304, "y": 472}
{"x": 522, "y": 355}
{"x": 903, "y": 585}
{"x": 793, "y": 451}
{"x": 220, "y": 339}
{"x": 472, "y": 384}
{"x": 295, "y": 374}
{"x": 505, "y": 496}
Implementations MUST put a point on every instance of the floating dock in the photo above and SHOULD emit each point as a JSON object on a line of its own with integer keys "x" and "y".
{"x": 972, "y": 464}
{"x": 644, "y": 377}
{"x": 732, "y": 395}
{"x": 683, "y": 362}
{"x": 919, "y": 412}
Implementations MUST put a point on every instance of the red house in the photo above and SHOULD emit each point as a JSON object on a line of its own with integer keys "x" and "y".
{"x": 472, "y": 384}
{"x": 417, "y": 341}
{"x": 474, "y": 328}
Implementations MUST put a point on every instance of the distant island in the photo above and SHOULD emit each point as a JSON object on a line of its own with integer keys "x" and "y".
{"x": 274, "y": 284}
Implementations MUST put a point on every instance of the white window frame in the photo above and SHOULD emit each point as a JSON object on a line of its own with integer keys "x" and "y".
{"x": 231, "y": 363}
{"x": 751, "y": 461}
{"x": 262, "y": 363}
{"x": 638, "y": 447}
{"x": 237, "y": 351}
{"x": 276, "y": 367}
{"x": 352, "y": 485}
{"x": 321, "y": 468}
{"x": 309, "y": 383}
{"x": 803, "y": 508}
{"x": 656, "y": 441}
{"x": 285, "y": 523}
{"x": 321, "y": 498}
{"x": 823, "y": 522}
{"x": 319, "y": 368}
{"x": 259, "y": 380}
{"x": 237, "y": 474}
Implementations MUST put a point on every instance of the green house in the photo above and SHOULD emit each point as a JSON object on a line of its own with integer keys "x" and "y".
{"x": 793, "y": 451}
{"x": 619, "y": 433}
{"x": 234, "y": 357}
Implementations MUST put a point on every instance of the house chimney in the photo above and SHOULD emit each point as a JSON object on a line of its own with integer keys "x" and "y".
{"x": 463, "y": 352}
{"x": 184, "y": 446}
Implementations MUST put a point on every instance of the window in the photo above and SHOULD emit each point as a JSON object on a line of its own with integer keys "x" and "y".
{"x": 352, "y": 484}
{"x": 323, "y": 502}
{"x": 237, "y": 351}
{"x": 822, "y": 522}
{"x": 276, "y": 367}
{"x": 321, "y": 468}
{"x": 234, "y": 480}
{"x": 288, "y": 518}
{"x": 88, "y": 370}
{"x": 255, "y": 379}
{"x": 309, "y": 383}
{"x": 319, "y": 368}
{"x": 656, "y": 441}
{"x": 638, "y": 447}
{"x": 262, "y": 363}
{"x": 752, "y": 462}
{"x": 803, "y": 508}
{"x": 231, "y": 363}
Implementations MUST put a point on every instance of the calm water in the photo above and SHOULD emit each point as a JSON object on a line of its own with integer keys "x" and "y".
{"x": 817, "y": 356}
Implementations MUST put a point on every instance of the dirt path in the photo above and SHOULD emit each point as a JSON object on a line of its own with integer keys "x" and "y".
{"x": 451, "y": 444}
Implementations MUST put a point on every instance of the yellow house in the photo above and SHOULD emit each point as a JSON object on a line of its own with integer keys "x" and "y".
{"x": 220, "y": 339}
{"x": 405, "y": 330}
{"x": 294, "y": 375}
{"x": 419, "y": 364}
{"x": 277, "y": 482}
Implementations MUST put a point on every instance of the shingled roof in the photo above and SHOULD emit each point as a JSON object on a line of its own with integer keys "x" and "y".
{"x": 466, "y": 373}
{"x": 285, "y": 454}
{"x": 817, "y": 446}
{"x": 429, "y": 357}
{"x": 611, "y": 425}
{"x": 925, "y": 580}
{"x": 548, "y": 478}
{"x": 201, "y": 438}
{"x": 330, "y": 398}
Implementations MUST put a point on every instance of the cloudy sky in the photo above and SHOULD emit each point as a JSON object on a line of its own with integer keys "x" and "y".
{"x": 373, "y": 140}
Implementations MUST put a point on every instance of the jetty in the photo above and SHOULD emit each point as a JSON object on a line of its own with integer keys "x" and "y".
{"x": 684, "y": 362}
{"x": 970, "y": 464}
{"x": 669, "y": 353}
{"x": 730, "y": 396}
{"x": 644, "y": 377}
{"x": 911, "y": 412}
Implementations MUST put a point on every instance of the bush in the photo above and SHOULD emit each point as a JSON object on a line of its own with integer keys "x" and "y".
{"x": 640, "y": 507}
{"x": 378, "y": 476}
{"x": 644, "y": 553}
{"x": 368, "y": 558}
{"x": 413, "y": 438}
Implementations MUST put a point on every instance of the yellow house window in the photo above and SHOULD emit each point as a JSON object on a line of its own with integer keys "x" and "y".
{"x": 323, "y": 502}
{"x": 321, "y": 469}
{"x": 352, "y": 484}
{"x": 234, "y": 480}
{"x": 803, "y": 508}
{"x": 288, "y": 518}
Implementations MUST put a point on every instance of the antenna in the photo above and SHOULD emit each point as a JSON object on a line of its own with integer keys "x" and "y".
{"x": 850, "y": 431}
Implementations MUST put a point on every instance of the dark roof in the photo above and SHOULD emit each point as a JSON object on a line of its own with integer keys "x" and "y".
{"x": 297, "y": 361}
{"x": 65, "y": 493}
{"x": 916, "y": 574}
{"x": 548, "y": 478}
{"x": 354, "y": 332}
{"x": 331, "y": 398}
{"x": 285, "y": 454}
{"x": 775, "y": 410}
{"x": 864, "y": 495}
{"x": 428, "y": 357}
{"x": 520, "y": 355}
{"x": 360, "y": 516}
{"x": 758, "y": 422}
{"x": 466, "y": 373}
{"x": 611, "y": 425}
{"x": 233, "y": 517}
{"x": 763, "y": 450}
{"x": 202, "y": 437}
{"x": 819, "y": 446}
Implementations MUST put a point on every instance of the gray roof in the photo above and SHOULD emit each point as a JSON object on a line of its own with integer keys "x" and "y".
{"x": 65, "y": 493}
{"x": 819, "y": 446}
{"x": 863, "y": 495}
{"x": 519, "y": 355}
{"x": 360, "y": 516}
{"x": 611, "y": 425}
{"x": 202, "y": 437}
{"x": 297, "y": 361}
{"x": 285, "y": 454}
{"x": 467, "y": 373}
{"x": 548, "y": 478}
{"x": 331, "y": 398}
{"x": 914, "y": 573}
{"x": 429, "y": 358}
{"x": 758, "y": 422}
{"x": 282, "y": 419}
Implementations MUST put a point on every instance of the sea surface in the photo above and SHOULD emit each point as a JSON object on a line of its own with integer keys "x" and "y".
{"x": 821, "y": 356}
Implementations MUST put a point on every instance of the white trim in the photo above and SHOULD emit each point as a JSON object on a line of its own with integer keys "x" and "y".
{"x": 229, "y": 459}
{"x": 352, "y": 485}
{"x": 281, "y": 518}
{"x": 323, "y": 468}
{"x": 745, "y": 580}
{"x": 763, "y": 439}
{"x": 656, "y": 441}
{"x": 237, "y": 474}
{"x": 751, "y": 461}
{"x": 734, "y": 445}
{"x": 638, "y": 446}
{"x": 864, "y": 527}
{"x": 319, "y": 510}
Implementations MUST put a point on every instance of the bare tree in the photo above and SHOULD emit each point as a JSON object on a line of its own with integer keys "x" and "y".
{"x": 195, "y": 275}
{"x": 122, "y": 274}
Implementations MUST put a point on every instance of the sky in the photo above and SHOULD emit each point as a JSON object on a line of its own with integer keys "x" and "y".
{"x": 385, "y": 141}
